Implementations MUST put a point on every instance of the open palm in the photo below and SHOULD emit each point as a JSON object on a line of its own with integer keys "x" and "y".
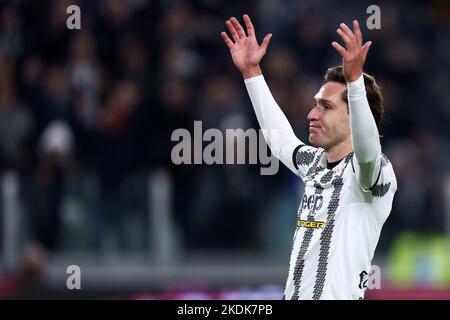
{"x": 355, "y": 53}
{"x": 245, "y": 50}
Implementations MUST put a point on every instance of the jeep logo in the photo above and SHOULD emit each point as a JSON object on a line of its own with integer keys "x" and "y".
{"x": 313, "y": 202}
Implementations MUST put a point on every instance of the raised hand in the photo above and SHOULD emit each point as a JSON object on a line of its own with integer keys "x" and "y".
{"x": 245, "y": 50}
{"x": 354, "y": 56}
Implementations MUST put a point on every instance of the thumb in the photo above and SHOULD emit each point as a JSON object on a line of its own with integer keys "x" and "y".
{"x": 265, "y": 42}
{"x": 365, "y": 48}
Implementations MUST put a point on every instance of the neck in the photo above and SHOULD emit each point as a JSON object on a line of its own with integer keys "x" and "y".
{"x": 339, "y": 151}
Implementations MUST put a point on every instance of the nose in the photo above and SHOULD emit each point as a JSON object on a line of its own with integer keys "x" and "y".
{"x": 313, "y": 115}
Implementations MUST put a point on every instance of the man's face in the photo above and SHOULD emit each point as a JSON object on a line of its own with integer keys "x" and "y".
{"x": 329, "y": 122}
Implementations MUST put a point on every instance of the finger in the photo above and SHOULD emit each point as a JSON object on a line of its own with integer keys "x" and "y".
{"x": 365, "y": 49}
{"x": 266, "y": 41}
{"x": 347, "y": 30}
{"x": 238, "y": 27}
{"x": 346, "y": 39}
{"x": 339, "y": 49}
{"x": 249, "y": 26}
{"x": 232, "y": 30}
{"x": 357, "y": 31}
{"x": 227, "y": 40}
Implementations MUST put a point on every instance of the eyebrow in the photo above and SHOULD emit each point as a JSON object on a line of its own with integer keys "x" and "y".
{"x": 324, "y": 101}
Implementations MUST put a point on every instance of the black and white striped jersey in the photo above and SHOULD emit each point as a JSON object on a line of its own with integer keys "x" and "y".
{"x": 338, "y": 227}
{"x": 339, "y": 220}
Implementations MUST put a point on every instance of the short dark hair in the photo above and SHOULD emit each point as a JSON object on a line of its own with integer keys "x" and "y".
{"x": 373, "y": 91}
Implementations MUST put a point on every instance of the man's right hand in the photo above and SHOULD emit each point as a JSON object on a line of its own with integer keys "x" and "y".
{"x": 245, "y": 50}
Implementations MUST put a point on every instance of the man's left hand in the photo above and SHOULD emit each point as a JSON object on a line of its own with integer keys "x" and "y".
{"x": 354, "y": 56}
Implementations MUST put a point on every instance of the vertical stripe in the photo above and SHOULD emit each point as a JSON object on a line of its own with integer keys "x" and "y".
{"x": 327, "y": 232}
{"x": 300, "y": 262}
{"x": 292, "y": 250}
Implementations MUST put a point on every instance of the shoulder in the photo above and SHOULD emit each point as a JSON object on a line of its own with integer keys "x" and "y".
{"x": 386, "y": 181}
{"x": 387, "y": 168}
{"x": 305, "y": 155}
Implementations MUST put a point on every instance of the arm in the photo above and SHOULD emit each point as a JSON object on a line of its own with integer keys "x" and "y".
{"x": 246, "y": 55}
{"x": 365, "y": 137}
{"x": 277, "y": 131}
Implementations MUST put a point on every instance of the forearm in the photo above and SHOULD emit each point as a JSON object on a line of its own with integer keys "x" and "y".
{"x": 365, "y": 137}
{"x": 276, "y": 128}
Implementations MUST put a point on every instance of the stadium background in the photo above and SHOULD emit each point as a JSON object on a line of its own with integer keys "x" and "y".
{"x": 85, "y": 123}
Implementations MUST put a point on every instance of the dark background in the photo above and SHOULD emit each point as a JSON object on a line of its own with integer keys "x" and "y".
{"x": 86, "y": 118}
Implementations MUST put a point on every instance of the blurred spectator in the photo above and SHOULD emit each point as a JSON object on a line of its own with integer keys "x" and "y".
{"x": 16, "y": 122}
{"x": 102, "y": 102}
{"x": 11, "y": 41}
{"x": 45, "y": 189}
{"x": 115, "y": 157}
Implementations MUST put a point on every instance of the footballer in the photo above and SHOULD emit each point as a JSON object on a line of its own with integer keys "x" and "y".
{"x": 349, "y": 183}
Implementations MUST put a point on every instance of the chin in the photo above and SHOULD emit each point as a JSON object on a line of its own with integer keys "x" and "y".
{"x": 317, "y": 144}
{"x": 314, "y": 142}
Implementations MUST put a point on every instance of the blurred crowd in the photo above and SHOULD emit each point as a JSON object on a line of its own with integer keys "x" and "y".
{"x": 89, "y": 113}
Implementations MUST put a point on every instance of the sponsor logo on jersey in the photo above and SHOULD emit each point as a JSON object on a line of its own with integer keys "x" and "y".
{"x": 313, "y": 202}
{"x": 311, "y": 224}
